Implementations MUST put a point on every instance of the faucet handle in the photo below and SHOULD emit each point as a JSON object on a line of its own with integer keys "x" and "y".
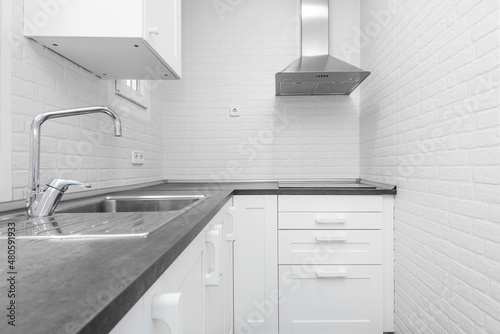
{"x": 62, "y": 184}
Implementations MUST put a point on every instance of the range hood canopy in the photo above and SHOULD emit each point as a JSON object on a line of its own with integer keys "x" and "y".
{"x": 316, "y": 72}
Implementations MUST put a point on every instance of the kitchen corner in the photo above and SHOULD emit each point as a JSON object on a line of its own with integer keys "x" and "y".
{"x": 255, "y": 166}
{"x": 90, "y": 284}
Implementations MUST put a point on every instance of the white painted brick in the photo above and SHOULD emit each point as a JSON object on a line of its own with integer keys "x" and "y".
{"x": 462, "y": 104}
{"x": 469, "y": 276}
{"x": 42, "y": 81}
{"x": 486, "y": 230}
{"x": 491, "y": 325}
{"x": 467, "y": 241}
{"x": 469, "y": 208}
{"x": 494, "y": 213}
{"x": 495, "y": 290}
{"x": 308, "y": 137}
{"x": 488, "y": 304}
{"x": 468, "y": 309}
{"x": 488, "y": 175}
{"x": 488, "y": 267}
{"x": 493, "y": 251}
{"x": 489, "y": 156}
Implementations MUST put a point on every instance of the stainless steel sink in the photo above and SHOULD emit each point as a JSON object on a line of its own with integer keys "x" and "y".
{"x": 111, "y": 216}
{"x": 136, "y": 204}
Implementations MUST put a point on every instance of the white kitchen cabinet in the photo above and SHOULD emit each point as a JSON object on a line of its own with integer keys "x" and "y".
{"x": 219, "y": 274}
{"x": 177, "y": 296}
{"x": 186, "y": 298}
{"x": 113, "y": 39}
{"x": 325, "y": 299}
{"x": 336, "y": 264}
{"x": 255, "y": 264}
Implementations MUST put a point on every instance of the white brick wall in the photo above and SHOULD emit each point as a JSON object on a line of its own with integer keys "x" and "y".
{"x": 230, "y": 59}
{"x": 430, "y": 123}
{"x": 80, "y": 148}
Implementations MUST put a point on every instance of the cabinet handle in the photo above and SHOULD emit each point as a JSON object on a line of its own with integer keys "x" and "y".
{"x": 154, "y": 31}
{"x": 334, "y": 220}
{"x": 230, "y": 214}
{"x": 166, "y": 307}
{"x": 331, "y": 238}
{"x": 213, "y": 237}
{"x": 331, "y": 274}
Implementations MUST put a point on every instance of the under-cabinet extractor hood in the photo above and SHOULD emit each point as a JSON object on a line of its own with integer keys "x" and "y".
{"x": 316, "y": 72}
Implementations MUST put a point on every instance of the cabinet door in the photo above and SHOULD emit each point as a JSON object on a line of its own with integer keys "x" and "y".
{"x": 132, "y": 322}
{"x": 325, "y": 299}
{"x": 184, "y": 278}
{"x": 219, "y": 292}
{"x": 255, "y": 265}
{"x": 228, "y": 269}
{"x": 162, "y": 30}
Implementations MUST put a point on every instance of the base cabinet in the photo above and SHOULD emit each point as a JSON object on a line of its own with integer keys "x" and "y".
{"x": 191, "y": 296}
{"x": 325, "y": 299}
{"x": 218, "y": 303}
{"x": 269, "y": 264}
{"x": 255, "y": 265}
{"x": 336, "y": 264}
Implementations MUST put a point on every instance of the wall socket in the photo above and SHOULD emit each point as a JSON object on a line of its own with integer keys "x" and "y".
{"x": 137, "y": 158}
{"x": 234, "y": 112}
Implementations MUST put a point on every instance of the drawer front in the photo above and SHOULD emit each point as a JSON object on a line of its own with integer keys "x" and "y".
{"x": 331, "y": 299}
{"x": 330, "y": 247}
{"x": 330, "y": 220}
{"x": 356, "y": 203}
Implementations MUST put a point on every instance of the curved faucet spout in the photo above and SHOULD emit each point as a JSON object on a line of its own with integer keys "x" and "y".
{"x": 34, "y": 182}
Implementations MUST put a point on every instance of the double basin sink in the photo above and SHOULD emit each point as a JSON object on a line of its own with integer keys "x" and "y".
{"x": 111, "y": 216}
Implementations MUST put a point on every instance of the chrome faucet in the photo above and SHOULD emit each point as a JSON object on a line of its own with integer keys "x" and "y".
{"x": 43, "y": 203}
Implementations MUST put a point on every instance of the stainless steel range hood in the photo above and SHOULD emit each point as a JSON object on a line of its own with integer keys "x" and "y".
{"x": 316, "y": 72}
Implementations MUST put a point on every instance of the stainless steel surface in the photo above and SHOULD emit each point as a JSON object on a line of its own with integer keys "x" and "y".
{"x": 315, "y": 27}
{"x": 46, "y": 201}
{"x": 106, "y": 223}
{"x": 316, "y": 72}
{"x": 35, "y": 196}
{"x": 324, "y": 184}
{"x": 136, "y": 204}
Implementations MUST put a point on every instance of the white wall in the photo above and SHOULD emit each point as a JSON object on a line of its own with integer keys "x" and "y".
{"x": 230, "y": 58}
{"x": 81, "y": 148}
{"x": 430, "y": 123}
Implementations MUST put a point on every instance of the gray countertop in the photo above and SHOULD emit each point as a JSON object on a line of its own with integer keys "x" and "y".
{"x": 87, "y": 285}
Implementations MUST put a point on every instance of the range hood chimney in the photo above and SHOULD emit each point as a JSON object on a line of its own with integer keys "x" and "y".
{"x": 316, "y": 72}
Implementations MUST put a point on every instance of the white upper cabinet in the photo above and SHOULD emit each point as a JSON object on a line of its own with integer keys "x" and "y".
{"x": 114, "y": 39}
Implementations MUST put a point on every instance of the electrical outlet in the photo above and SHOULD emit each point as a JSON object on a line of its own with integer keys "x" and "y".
{"x": 234, "y": 112}
{"x": 137, "y": 158}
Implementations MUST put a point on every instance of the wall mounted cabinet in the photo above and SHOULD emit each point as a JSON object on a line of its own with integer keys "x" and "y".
{"x": 113, "y": 39}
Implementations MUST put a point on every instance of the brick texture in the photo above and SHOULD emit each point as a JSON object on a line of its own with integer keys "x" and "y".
{"x": 80, "y": 148}
{"x": 232, "y": 50}
{"x": 430, "y": 124}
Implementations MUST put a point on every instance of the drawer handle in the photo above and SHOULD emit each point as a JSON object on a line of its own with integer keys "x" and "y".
{"x": 338, "y": 220}
{"x": 331, "y": 238}
{"x": 331, "y": 274}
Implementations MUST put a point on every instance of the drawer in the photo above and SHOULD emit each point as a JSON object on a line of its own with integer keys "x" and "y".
{"x": 330, "y": 247}
{"x": 330, "y": 220}
{"x": 331, "y": 299}
{"x": 322, "y": 203}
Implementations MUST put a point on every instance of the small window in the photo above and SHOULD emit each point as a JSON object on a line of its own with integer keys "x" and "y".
{"x": 135, "y": 91}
